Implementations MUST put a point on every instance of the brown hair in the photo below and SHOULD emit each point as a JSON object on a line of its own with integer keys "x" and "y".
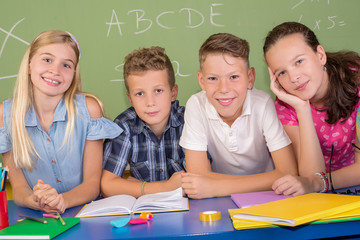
{"x": 145, "y": 59}
{"x": 224, "y": 43}
{"x": 342, "y": 68}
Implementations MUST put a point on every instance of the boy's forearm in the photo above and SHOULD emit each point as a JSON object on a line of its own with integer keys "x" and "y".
{"x": 228, "y": 184}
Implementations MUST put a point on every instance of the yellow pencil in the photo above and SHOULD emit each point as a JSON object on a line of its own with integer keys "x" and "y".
{"x": 60, "y": 218}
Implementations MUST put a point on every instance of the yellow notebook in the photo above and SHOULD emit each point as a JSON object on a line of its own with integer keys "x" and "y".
{"x": 300, "y": 209}
{"x": 126, "y": 204}
{"x": 240, "y": 224}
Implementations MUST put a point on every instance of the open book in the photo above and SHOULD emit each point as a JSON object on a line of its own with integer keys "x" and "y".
{"x": 126, "y": 204}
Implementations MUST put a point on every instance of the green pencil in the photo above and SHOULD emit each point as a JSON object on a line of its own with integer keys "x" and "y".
{"x": 60, "y": 218}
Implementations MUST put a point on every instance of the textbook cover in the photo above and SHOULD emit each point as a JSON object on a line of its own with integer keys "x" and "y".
{"x": 241, "y": 224}
{"x": 300, "y": 209}
{"x": 244, "y": 200}
{"x": 29, "y": 229}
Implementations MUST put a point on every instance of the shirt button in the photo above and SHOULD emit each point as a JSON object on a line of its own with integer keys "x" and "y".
{"x": 52, "y": 124}
{"x": 161, "y": 170}
{"x": 49, "y": 140}
{"x": 53, "y": 161}
{"x": 58, "y": 180}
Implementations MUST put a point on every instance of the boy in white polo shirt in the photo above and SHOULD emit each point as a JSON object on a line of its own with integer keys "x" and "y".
{"x": 236, "y": 123}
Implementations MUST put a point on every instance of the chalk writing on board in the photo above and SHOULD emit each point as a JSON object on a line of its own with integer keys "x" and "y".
{"x": 10, "y": 34}
{"x": 144, "y": 23}
{"x": 328, "y": 22}
{"x": 176, "y": 66}
{"x": 302, "y": 1}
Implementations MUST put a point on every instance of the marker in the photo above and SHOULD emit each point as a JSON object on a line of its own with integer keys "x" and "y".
{"x": 60, "y": 218}
{"x": 32, "y": 218}
{"x": 45, "y": 215}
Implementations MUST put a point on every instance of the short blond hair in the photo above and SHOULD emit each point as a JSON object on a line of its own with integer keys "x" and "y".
{"x": 224, "y": 43}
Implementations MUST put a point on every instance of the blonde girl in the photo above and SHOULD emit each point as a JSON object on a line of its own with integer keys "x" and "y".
{"x": 50, "y": 132}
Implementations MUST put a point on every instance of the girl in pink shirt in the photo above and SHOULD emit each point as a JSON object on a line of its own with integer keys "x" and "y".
{"x": 317, "y": 100}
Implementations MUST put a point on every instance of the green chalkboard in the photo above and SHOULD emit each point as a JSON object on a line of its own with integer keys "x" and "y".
{"x": 108, "y": 30}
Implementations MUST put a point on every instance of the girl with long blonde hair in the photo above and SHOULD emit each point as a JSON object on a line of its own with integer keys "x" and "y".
{"x": 50, "y": 132}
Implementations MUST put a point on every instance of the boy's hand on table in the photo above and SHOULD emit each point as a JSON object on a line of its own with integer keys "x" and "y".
{"x": 196, "y": 186}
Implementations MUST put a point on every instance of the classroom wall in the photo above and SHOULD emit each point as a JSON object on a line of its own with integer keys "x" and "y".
{"x": 108, "y": 30}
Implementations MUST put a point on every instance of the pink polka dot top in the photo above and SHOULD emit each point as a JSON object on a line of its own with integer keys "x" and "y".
{"x": 341, "y": 135}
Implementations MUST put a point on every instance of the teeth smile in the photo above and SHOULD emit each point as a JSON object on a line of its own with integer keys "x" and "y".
{"x": 51, "y": 81}
{"x": 225, "y": 100}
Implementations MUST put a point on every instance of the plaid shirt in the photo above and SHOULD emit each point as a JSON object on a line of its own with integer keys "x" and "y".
{"x": 150, "y": 159}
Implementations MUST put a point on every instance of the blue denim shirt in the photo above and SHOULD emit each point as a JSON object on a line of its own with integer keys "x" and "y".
{"x": 60, "y": 166}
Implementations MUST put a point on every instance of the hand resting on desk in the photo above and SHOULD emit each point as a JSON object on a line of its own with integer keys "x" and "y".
{"x": 296, "y": 185}
{"x": 48, "y": 198}
{"x": 196, "y": 186}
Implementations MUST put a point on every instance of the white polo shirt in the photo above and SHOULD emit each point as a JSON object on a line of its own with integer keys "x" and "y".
{"x": 243, "y": 148}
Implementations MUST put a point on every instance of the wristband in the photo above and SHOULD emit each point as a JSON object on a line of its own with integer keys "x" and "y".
{"x": 325, "y": 180}
{"x": 142, "y": 188}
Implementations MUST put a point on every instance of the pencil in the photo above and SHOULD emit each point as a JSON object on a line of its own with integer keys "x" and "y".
{"x": 32, "y": 218}
{"x": 60, "y": 218}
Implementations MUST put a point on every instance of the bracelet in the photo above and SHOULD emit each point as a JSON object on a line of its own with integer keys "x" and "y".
{"x": 325, "y": 180}
{"x": 142, "y": 188}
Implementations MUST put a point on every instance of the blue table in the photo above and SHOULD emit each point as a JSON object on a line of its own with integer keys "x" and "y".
{"x": 174, "y": 225}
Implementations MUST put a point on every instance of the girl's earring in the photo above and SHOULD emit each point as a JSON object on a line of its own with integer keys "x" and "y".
{"x": 324, "y": 68}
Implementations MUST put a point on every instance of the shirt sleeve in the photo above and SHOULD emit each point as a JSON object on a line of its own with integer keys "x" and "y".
{"x": 275, "y": 135}
{"x": 5, "y": 141}
{"x": 117, "y": 151}
{"x": 194, "y": 135}
{"x": 101, "y": 128}
{"x": 286, "y": 113}
{"x": 5, "y": 136}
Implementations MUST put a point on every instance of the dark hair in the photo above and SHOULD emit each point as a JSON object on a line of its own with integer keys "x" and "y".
{"x": 145, "y": 59}
{"x": 224, "y": 43}
{"x": 342, "y": 68}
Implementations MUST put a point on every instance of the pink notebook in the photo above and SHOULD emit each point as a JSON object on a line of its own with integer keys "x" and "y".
{"x": 243, "y": 200}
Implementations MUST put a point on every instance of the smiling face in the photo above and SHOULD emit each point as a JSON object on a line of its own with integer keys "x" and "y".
{"x": 226, "y": 80}
{"x": 298, "y": 68}
{"x": 151, "y": 96}
{"x": 52, "y": 70}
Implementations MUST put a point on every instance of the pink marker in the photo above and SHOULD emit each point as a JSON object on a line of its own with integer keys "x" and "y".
{"x": 50, "y": 216}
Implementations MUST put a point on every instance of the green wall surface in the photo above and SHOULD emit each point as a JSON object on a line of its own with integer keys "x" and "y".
{"x": 108, "y": 30}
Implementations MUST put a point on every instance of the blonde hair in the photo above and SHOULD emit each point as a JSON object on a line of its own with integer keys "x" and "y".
{"x": 23, "y": 148}
{"x": 224, "y": 43}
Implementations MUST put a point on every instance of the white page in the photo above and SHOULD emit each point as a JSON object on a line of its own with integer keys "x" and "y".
{"x": 171, "y": 200}
{"x": 111, "y": 205}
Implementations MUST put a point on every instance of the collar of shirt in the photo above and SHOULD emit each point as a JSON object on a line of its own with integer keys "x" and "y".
{"x": 214, "y": 115}
{"x": 174, "y": 119}
{"x": 60, "y": 114}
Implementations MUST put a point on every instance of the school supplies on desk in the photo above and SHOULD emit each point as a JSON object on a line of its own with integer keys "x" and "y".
{"x": 3, "y": 178}
{"x": 28, "y": 229}
{"x": 126, "y": 204}
{"x": 300, "y": 209}
{"x": 244, "y": 200}
{"x": 241, "y": 224}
